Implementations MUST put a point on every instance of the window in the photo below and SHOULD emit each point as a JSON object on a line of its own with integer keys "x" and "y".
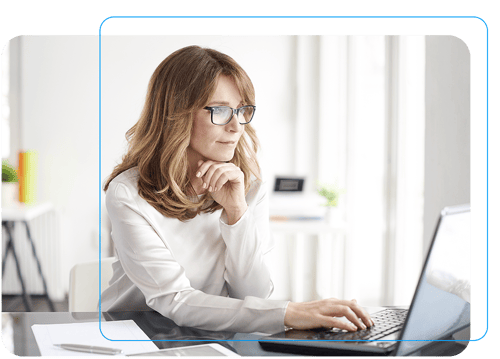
{"x": 360, "y": 123}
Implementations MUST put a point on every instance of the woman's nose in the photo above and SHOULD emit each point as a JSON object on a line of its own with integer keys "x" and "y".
{"x": 234, "y": 125}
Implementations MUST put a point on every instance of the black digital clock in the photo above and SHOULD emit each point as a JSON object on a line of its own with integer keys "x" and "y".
{"x": 287, "y": 184}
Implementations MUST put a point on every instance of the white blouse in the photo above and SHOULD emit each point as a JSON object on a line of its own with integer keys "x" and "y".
{"x": 201, "y": 273}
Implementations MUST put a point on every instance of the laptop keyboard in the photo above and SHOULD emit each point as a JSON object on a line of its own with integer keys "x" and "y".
{"x": 387, "y": 321}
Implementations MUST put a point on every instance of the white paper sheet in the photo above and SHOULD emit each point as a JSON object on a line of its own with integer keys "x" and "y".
{"x": 89, "y": 334}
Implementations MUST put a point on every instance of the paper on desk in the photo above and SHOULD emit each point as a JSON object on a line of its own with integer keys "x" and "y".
{"x": 89, "y": 334}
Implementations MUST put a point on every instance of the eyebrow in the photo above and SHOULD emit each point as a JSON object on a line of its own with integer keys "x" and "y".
{"x": 223, "y": 103}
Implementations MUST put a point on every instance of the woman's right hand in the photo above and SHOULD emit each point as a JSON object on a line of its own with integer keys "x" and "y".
{"x": 327, "y": 313}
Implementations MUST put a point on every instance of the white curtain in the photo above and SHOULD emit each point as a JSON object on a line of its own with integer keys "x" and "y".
{"x": 359, "y": 122}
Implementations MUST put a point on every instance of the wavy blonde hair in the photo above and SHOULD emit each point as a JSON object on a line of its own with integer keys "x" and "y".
{"x": 157, "y": 144}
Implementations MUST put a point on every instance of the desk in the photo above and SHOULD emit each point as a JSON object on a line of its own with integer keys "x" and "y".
{"x": 24, "y": 214}
{"x": 159, "y": 328}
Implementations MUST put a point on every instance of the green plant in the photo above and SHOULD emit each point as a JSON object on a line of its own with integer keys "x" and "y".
{"x": 9, "y": 174}
{"x": 331, "y": 192}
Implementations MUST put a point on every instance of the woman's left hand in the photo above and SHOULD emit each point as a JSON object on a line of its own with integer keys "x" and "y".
{"x": 226, "y": 184}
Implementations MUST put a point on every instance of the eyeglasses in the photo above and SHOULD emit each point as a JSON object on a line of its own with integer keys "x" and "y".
{"x": 222, "y": 115}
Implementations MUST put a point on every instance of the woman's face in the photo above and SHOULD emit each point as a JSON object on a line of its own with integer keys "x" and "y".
{"x": 215, "y": 142}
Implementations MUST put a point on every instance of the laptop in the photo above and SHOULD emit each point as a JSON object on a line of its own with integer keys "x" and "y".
{"x": 440, "y": 306}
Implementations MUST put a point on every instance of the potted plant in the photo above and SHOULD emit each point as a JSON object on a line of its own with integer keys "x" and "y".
{"x": 331, "y": 192}
{"x": 9, "y": 184}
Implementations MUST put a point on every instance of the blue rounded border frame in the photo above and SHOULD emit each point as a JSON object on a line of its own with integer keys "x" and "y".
{"x": 310, "y": 17}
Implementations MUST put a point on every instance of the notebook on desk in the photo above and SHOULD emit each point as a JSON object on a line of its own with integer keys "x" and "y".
{"x": 440, "y": 305}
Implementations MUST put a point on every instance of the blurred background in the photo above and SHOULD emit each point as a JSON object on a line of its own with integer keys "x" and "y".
{"x": 381, "y": 122}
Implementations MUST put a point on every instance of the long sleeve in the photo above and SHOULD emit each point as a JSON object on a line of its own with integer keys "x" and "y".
{"x": 247, "y": 243}
{"x": 149, "y": 263}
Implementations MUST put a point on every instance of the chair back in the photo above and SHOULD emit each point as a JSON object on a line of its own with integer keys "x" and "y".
{"x": 84, "y": 284}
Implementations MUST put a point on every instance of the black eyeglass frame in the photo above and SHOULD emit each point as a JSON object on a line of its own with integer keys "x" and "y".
{"x": 235, "y": 111}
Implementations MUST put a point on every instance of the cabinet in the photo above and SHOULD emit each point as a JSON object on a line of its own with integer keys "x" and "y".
{"x": 314, "y": 259}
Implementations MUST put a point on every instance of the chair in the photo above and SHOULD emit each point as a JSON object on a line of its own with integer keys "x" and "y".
{"x": 84, "y": 284}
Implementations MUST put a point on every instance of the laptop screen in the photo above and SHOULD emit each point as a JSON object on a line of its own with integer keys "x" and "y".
{"x": 441, "y": 305}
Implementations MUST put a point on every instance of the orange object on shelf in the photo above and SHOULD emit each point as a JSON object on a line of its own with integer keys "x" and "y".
{"x": 27, "y": 173}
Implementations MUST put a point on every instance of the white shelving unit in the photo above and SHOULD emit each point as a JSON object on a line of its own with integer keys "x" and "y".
{"x": 313, "y": 276}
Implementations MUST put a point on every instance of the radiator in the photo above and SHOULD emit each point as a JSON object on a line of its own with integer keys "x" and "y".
{"x": 45, "y": 232}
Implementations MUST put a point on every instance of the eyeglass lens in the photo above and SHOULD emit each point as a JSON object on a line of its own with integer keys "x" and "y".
{"x": 222, "y": 114}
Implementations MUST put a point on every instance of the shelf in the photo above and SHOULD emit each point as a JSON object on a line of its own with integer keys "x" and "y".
{"x": 307, "y": 227}
{"x": 23, "y": 212}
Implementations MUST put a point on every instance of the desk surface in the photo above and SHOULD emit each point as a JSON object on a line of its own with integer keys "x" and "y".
{"x": 164, "y": 332}
{"x": 160, "y": 329}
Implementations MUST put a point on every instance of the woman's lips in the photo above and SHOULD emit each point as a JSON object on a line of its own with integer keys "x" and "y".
{"x": 227, "y": 143}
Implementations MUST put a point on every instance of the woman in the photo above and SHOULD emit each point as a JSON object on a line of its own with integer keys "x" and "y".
{"x": 189, "y": 212}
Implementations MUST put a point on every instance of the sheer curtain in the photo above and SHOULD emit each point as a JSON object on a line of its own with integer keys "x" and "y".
{"x": 362, "y": 97}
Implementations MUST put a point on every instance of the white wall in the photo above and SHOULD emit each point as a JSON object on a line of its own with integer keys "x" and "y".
{"x": 447, "y": 128}
{"x": 59, "y": 119}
